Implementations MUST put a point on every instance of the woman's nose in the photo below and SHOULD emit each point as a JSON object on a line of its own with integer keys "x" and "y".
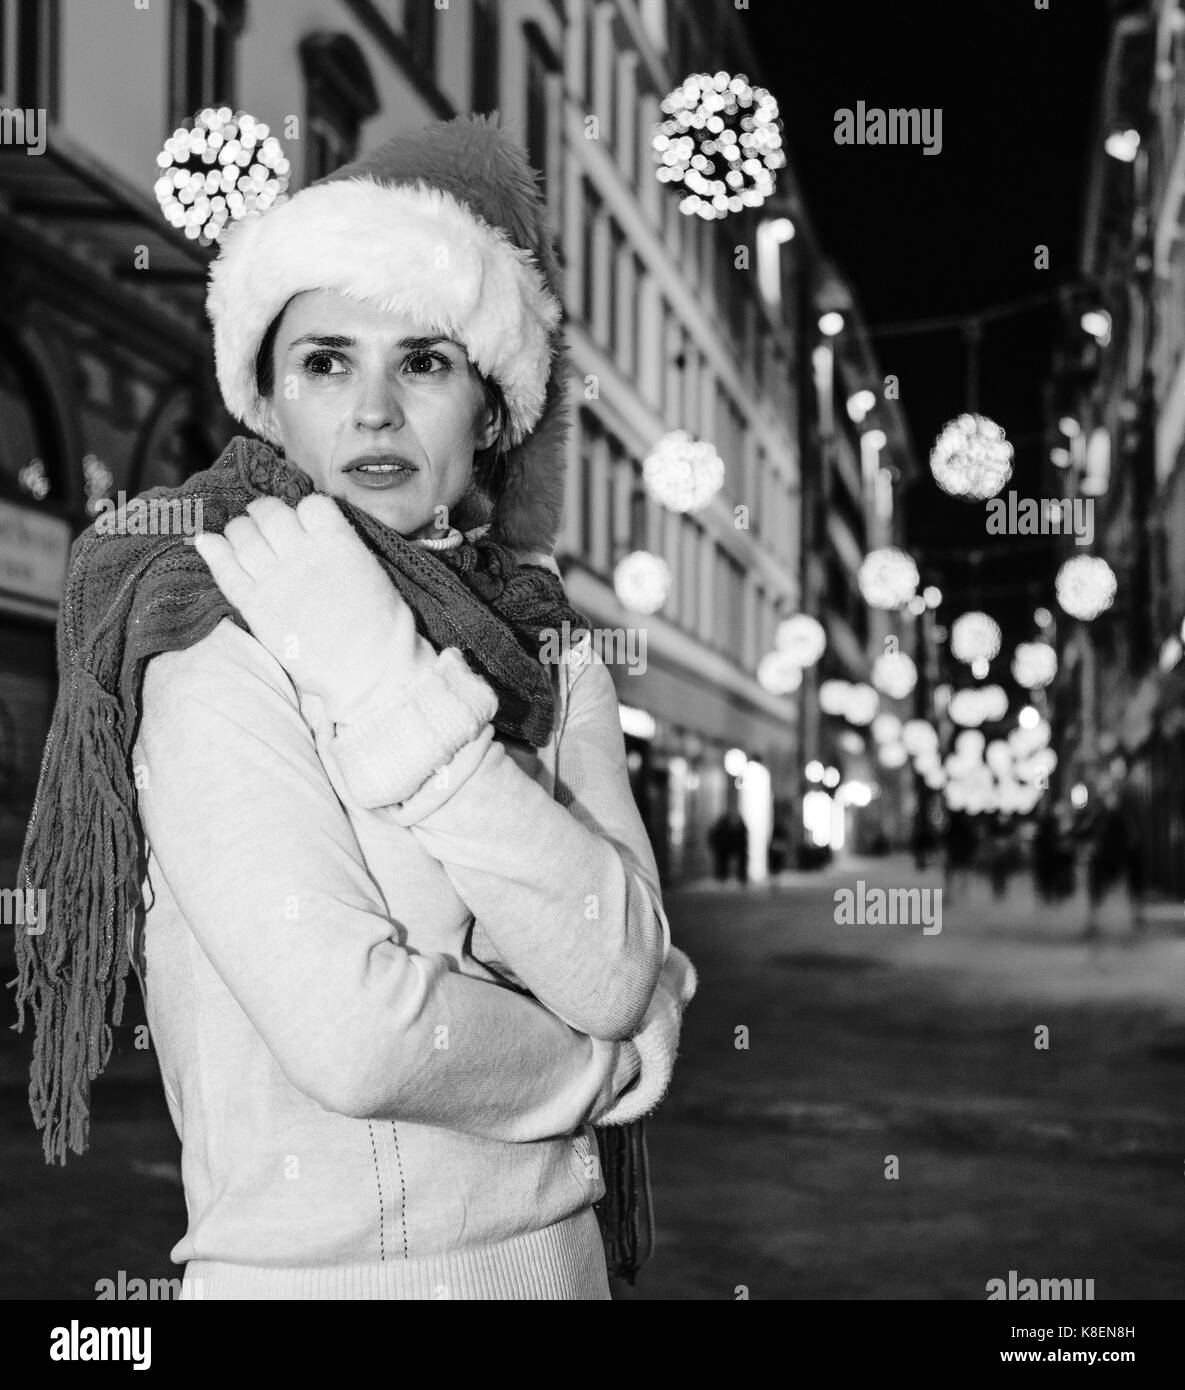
{"x": 377, "y": 406}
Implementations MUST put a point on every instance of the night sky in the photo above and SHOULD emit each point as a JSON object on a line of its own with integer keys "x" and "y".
{"x": 922, "y": 235}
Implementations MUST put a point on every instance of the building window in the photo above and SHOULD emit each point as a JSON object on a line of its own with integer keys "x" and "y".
{"x": 590, "y": 238}
{"x": 543, "y": 109}
{"x": 29, "y": 54}
{"x": 485, "y": 56}
{"x": 616, "y": 267}
{"x": 204, "y": 37}
{"x": 587, "y": 438}
{"x": 419, "y": 31}
{"x": 29, "y": 456}
{"x": 341, "y": 96}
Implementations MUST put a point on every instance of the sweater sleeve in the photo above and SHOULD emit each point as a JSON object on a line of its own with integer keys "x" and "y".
{"x": 565, "y": 889}
{"x": 262, "y": 861}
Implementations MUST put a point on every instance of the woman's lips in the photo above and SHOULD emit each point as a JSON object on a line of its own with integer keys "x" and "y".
{"x": 380, "y": 470}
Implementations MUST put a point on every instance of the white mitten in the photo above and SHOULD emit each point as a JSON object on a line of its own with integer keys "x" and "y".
{"x": 317, "y": 599}
{"x": 657, "y": 1040}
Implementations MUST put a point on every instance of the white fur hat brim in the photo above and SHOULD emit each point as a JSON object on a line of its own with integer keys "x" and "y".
{"x": 409, "y": 249}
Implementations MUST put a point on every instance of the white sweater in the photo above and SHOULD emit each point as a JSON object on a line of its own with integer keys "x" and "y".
{"x": 370, "y": 1104}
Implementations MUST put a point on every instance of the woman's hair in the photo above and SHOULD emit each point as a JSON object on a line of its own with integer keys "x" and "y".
{"x": 489, "y": 464}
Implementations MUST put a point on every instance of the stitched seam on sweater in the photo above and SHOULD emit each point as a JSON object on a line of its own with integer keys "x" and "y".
{"x": 379, "y": 1184}
{"x": 402, "y": 1188}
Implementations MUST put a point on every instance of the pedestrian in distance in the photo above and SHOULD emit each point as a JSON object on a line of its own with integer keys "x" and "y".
{"x": 377, "y": 866}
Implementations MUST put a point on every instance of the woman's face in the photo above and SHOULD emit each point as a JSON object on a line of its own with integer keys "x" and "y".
{"x": 357, "y": 389}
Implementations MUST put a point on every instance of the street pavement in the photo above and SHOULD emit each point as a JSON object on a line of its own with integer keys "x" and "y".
{"x": 865, "y": 1043}
{"x": 769, "y": 1164}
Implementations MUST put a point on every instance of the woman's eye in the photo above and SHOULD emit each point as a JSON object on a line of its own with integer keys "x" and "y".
{"x": 321, "y": 364}
{"x": 430, "y": 363}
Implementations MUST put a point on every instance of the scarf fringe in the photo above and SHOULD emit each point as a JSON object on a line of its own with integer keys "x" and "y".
{"x": 76, "y": 981}
{"x": 625, "y": 1211}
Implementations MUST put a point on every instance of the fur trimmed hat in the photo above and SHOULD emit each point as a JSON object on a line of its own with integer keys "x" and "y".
{"x": 447, "y": 225}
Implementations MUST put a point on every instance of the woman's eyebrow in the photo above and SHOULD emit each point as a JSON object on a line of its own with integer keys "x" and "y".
{"x": 335, "y": 340}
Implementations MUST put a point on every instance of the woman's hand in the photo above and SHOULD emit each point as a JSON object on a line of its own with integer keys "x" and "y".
{"x": 317, "y": 599}
{"x": 657, "y": 1041}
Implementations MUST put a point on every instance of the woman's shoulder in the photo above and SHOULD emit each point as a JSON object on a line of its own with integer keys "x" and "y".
{"x": 227, "y": 663}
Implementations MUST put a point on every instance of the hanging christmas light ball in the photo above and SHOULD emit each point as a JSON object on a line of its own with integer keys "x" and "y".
{"x": 219, "y": 169}
{"x": 919, "y": 736}
{"x": 994, "y": 701}
{"x": 642, "y": 581}
{"x": 802, "y": 639}
{"x": 1086, "y": 586}
{"x": 888, "y": 578}
{"x": 894, "y": 674}
{"x": 833, "y": 696}
{"x": 974, "y": 637}
{"x": 682, "y": 473}
{"x": 1034, "y": 665}
{"x": 722, "y": 141}
{"x": 886, "y": 728}
{"x": 971, "y": 459}
{"x": 892, "y": 755}
{"x": 862, "y": 705}
{"x": 779, "y": 673}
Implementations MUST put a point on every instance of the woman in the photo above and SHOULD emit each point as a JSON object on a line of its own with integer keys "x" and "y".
{"x": 402, "y": 938}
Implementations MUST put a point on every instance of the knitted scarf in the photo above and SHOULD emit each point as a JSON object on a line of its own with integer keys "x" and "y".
{"x": 130, "y": 596}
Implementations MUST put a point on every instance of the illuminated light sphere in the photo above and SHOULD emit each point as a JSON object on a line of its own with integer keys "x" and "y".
{"x": 971, "y": 458}
{"x": 917, "y": 605}
{"x": 994, "y": 701}
{"x": 861, "y": 705}
{"x": 682, "y": 473}
{"x": 1059, "y": 457}
{"x": 918, "y": 736}
{"x": 888, "y": 578}
{"x": 998, "y": 757}
{"x": 892, "y": 755}
{"x": 802, "y": 639}
{"x": 851, "y": 742}
{"x": 859, "y": 404}
{"x": 779, "y": 673}
{"x": 970, "y": 743}
{"x": 831, "y": 777}
{"x": 933, "y": 595}
{"x": 833, "y": 696}
{"x": 886, "y": 728}
{"x": 974, "y": 636}
{"x": 980, "y": 667}
{"x": 965, "y": 709}
{"x": 1085, "y": 586}
{"x": 1034, "y": 665}
{"x": 735, "y": 761}
{"x": 226, "y": 166}
{"x": 856, "y": 793}
{"x": 1028, "y": 718}
{"x": 935, "y": 779}
{"x": 642, "y": 581}
{"x": 894, "y": 674}
{"x": 831, "y": 323}
{"x": 720, "y": 144}
{"x": 814, "y": 770}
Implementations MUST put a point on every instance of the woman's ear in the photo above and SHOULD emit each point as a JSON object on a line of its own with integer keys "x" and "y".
{"x": 488, "y": 421}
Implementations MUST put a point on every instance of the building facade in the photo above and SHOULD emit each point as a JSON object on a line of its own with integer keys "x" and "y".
{"x": 1120, "y": 694}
